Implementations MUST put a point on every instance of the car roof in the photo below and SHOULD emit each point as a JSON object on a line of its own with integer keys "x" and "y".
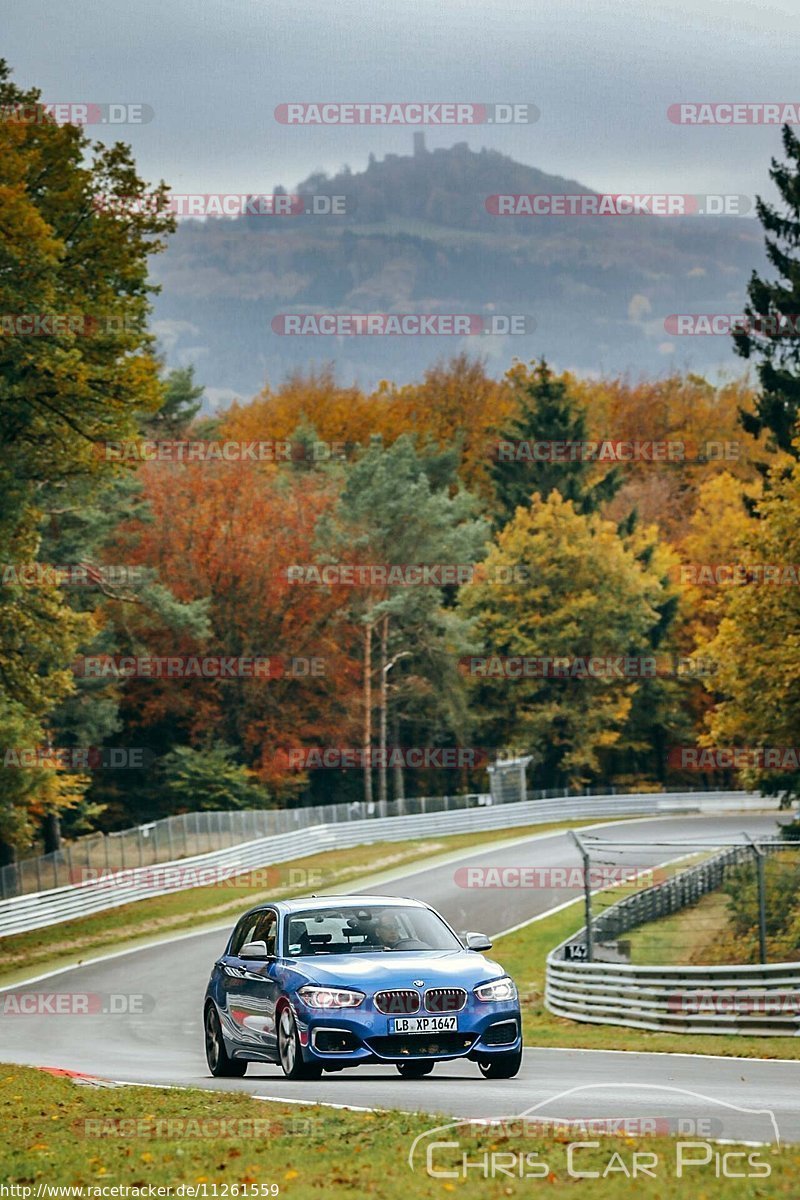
{"x": 310, "y": 903}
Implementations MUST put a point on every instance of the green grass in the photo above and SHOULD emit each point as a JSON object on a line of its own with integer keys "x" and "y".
{"x": 71, "y": 942}
{"x": 710, "y": 931}
{"x": 59, "y": 1134}
{"x": 684, "y": 937}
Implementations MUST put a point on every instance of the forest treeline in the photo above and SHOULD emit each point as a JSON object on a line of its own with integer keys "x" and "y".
{"x": 230, "y": 611}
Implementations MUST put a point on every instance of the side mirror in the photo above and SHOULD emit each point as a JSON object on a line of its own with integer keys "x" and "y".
{"x": 477, "y": 941}
{"x": 254, "y": 950}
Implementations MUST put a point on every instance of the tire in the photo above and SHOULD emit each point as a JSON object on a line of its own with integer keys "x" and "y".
{"x": 501, "y": 1066}
{"x": 219, "y": 1061}
{"x": 414, "y": 1070}
{"x": 290, "y": 1053}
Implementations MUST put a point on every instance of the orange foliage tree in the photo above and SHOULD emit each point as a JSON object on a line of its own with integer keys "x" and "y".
{"x": 679, "y": 409}
{"x": 230, "y": 532}
{"x": 456, "y": 402}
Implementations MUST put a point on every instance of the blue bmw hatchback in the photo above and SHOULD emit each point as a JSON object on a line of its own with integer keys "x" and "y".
{"x": 325, "y": 983}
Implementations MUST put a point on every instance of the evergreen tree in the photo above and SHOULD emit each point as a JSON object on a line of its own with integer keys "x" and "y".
{"x": 547, "y": 412}
{"x": 773, "y": 336}
{"x": 209, "y": 779}
{"x": 183, "y": 399}
{"x": 402, "y": 506}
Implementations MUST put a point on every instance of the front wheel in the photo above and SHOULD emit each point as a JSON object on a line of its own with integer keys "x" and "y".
{"x": 414, "y": 1070}
{"x": 501, "y": 1066}
{"x": 219, "y": 1061}
{"x": 289, "y": 1050}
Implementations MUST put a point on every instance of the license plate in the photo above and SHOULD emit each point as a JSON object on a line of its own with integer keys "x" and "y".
{"x": 424, "y": 1024}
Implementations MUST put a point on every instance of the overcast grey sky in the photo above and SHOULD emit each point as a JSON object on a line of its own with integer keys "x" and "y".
{"x": 602, "y": 72}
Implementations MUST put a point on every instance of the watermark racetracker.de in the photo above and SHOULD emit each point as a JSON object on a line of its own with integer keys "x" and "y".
{"x": 616, "y": 204}
{"x": 81, "y": 112}
{"x": 409, "y": 324}
{"x": 734, "y": 112}
{"x": 75, "y": 1004}
{"x": 406, "y": 112}
{"x": 767, "y": 325}
{"x": 198, "y": 666}
{"x": 229, "y": 204}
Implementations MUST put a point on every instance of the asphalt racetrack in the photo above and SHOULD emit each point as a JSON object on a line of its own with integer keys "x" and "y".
{"x": 165, "y": 1044}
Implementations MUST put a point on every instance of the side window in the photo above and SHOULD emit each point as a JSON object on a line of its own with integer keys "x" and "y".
{"x": 245, "y": 931}
{"x": 267, "y": 929}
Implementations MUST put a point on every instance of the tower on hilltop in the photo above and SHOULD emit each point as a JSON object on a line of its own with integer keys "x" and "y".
{"x": 419, "y": 144}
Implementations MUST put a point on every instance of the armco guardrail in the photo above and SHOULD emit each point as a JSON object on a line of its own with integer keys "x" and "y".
{"x": 761, "y": 1000}
{"x": 725, "y": 999}
{"x": 22, "y": 913}
{"x": 188, "y": 834}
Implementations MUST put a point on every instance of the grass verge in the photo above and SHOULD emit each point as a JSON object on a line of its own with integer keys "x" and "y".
{"x": 722, "y": 926}
{"x": 688, "y": 936}
{"x": 57, "y": 1134}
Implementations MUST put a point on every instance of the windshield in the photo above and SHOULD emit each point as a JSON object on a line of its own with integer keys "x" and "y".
{"x": 351, "y": 930}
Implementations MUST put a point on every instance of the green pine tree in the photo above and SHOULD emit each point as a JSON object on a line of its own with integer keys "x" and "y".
{"x": 774, "y": 309}
{"x": 547, "y": 413}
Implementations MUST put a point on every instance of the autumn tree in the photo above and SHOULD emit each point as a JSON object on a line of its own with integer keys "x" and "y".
{"x": 73, "y": 260}
{"x": 756, "y": 649}
{"x": 306, "y": 399}
{"x": 455, "y": 404}
{"x": 229, "y": 533}
{"x": 116, "y": 596}
{"x": 694, "y": 422}
{"x": 577, "y": 591}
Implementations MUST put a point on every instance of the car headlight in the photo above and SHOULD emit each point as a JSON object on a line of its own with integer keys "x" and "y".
{"x": 503, "y": 988}
{"x": 322, "y": 997}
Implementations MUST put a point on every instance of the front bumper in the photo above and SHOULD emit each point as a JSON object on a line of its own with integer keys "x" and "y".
{"x": 341, "y": 1038}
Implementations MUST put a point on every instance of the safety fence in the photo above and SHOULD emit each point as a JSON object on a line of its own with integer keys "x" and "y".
{"x": 737, "y": 998}
{"x": 679, "y": 892}
{"x": 97, "y": 889}
{"x": 189, "y": 834}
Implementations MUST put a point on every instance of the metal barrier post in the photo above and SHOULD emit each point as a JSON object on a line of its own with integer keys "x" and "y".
{"x": 762, "y": 900}
{"x": 587, "y": 891}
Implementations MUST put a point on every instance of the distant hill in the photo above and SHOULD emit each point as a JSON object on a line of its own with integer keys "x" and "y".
{"x": 417, "y": 237}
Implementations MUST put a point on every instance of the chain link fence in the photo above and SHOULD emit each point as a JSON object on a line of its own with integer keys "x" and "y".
{"x": 738, "y": 904}
{"x": 189, "y": 834}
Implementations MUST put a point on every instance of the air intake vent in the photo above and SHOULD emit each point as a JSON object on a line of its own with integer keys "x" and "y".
{"x": 445, "y": 1000}
{"x": 398, "y": 1003}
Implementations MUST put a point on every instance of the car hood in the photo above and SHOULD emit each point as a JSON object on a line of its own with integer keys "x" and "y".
{"x": 400, "y": 969}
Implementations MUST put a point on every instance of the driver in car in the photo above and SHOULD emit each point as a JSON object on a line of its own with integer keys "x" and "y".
{"x": 388, "y": 930}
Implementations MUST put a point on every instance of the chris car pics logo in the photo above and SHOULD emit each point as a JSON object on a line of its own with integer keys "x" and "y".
{"x": 709, "y": 1139}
